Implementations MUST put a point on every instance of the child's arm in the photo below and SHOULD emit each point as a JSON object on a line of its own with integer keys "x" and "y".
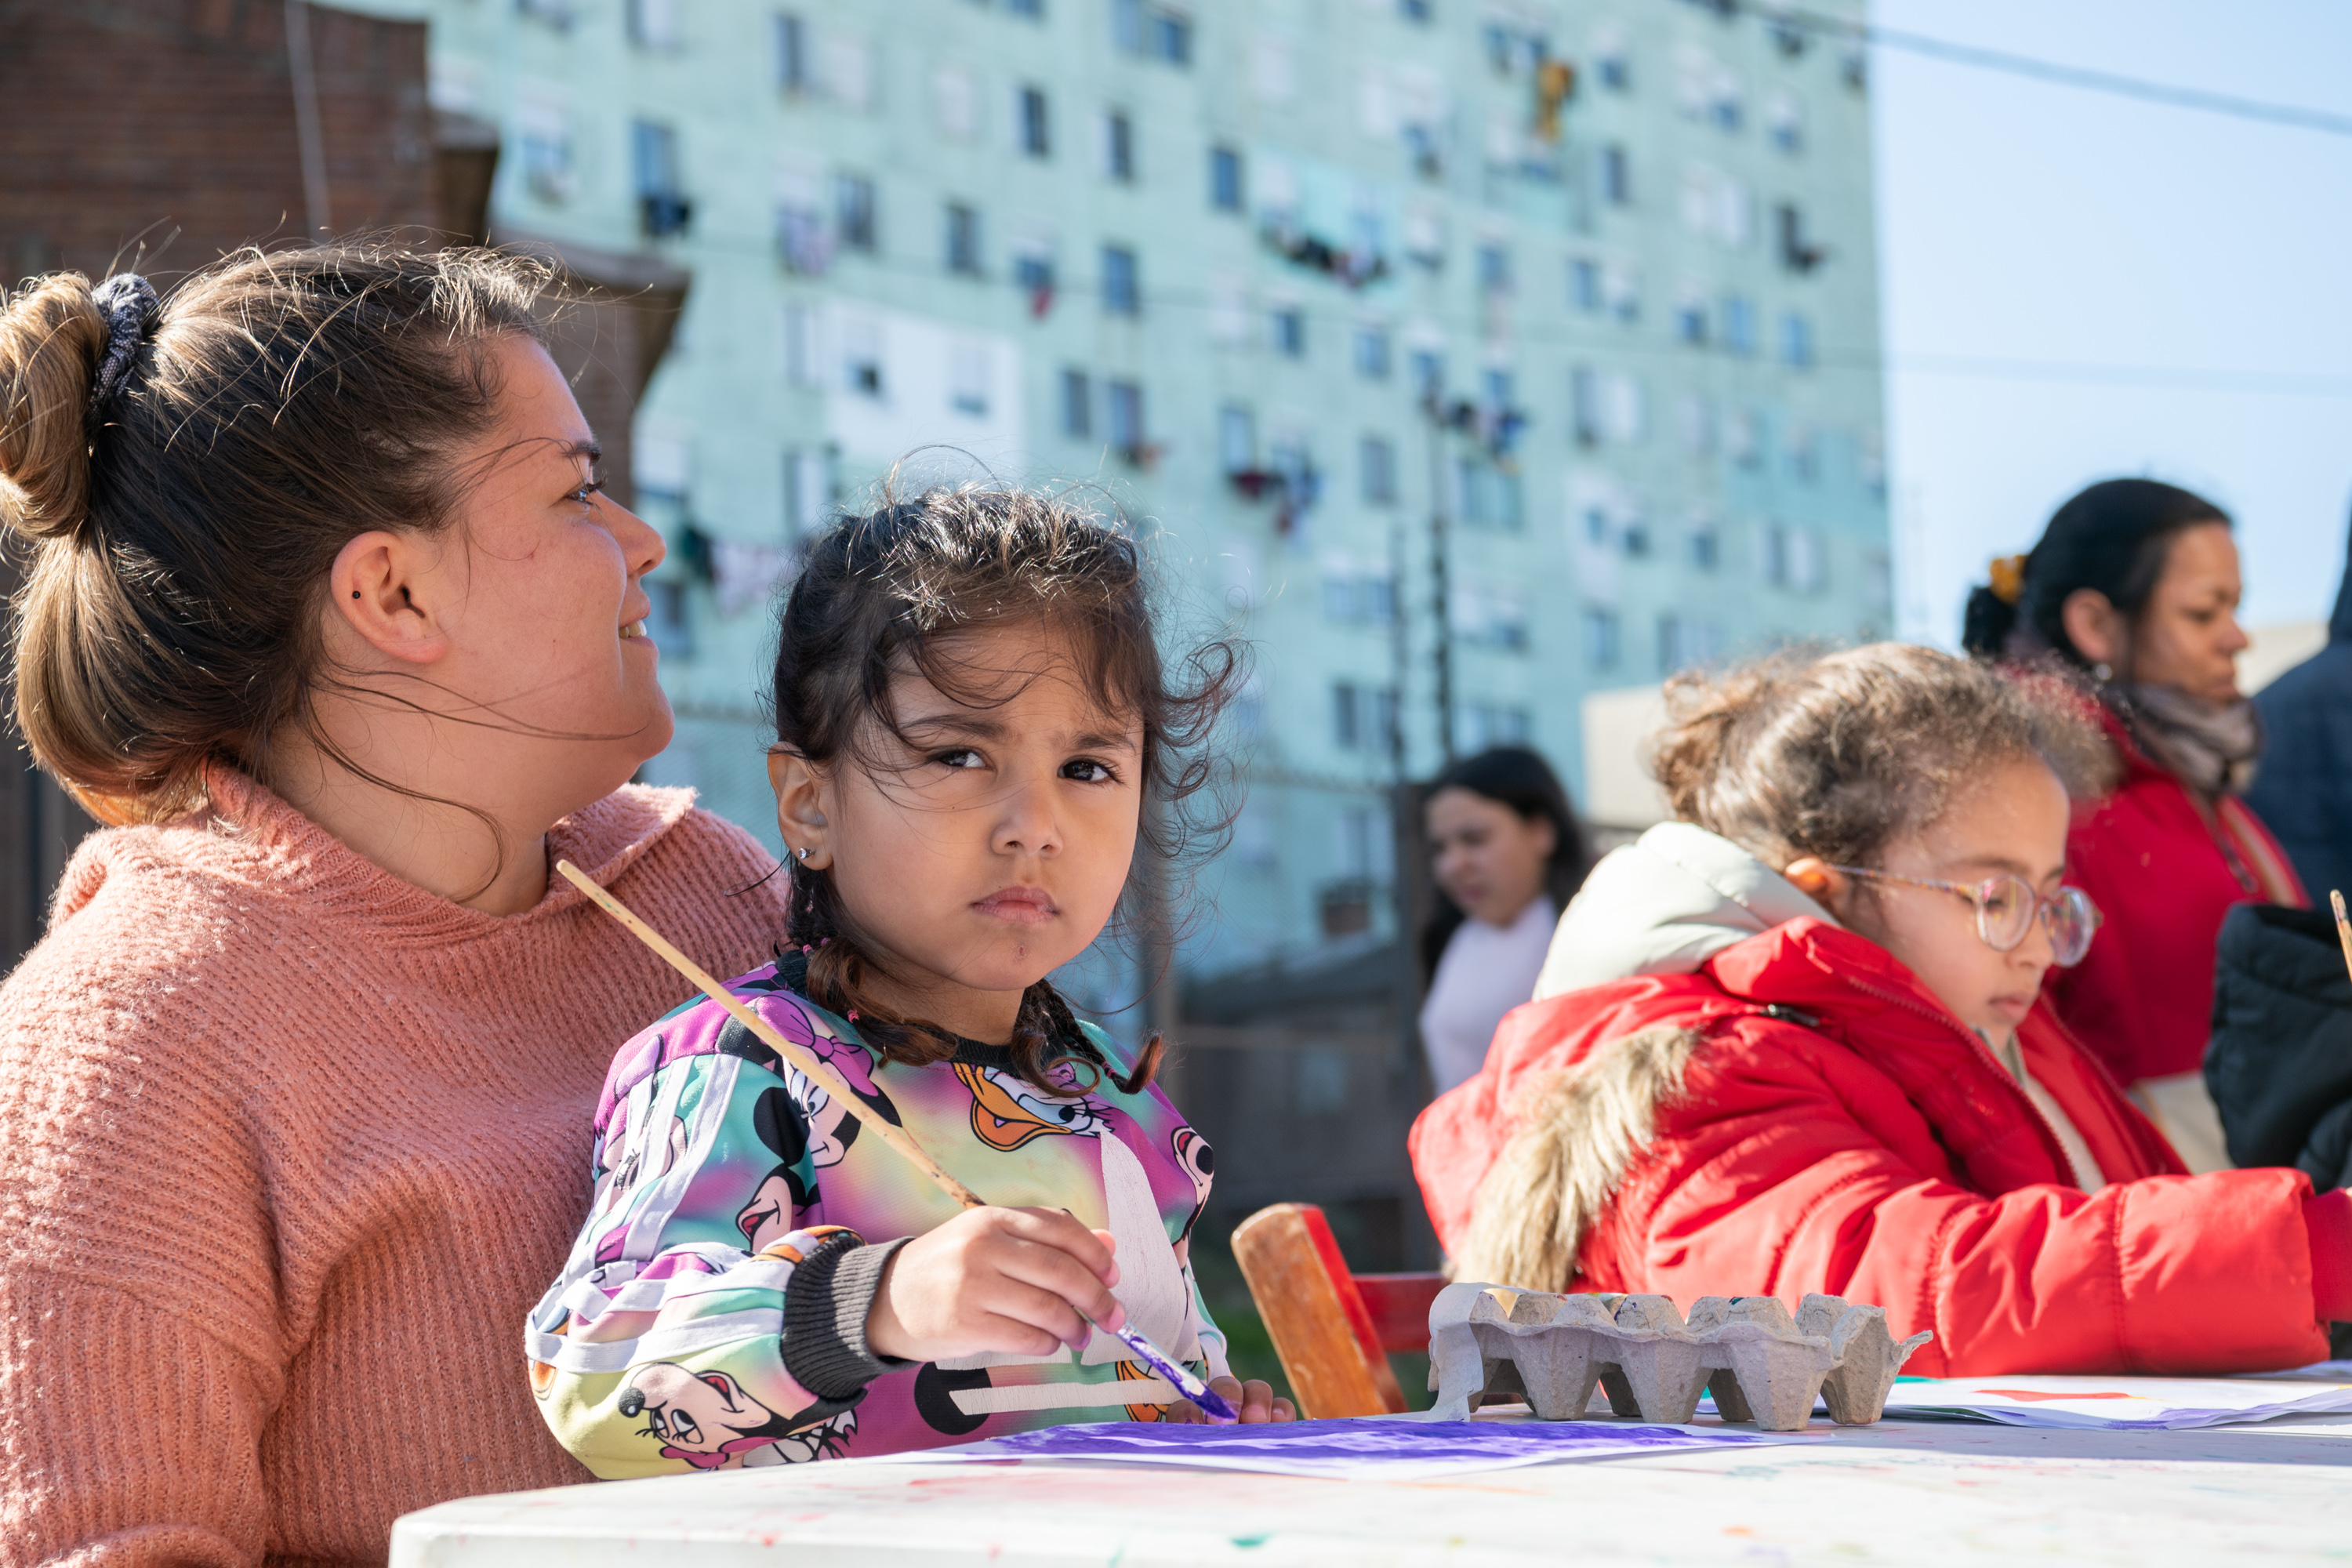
{"x": 701, "y": 1316}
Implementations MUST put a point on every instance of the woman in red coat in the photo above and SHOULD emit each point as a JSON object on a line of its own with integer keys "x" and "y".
{"x": 1795, "y": 1041}
{"x": 2136, "y": 583}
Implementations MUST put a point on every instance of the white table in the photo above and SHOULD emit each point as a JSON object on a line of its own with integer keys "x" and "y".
{"x": 1899, "y": 1492}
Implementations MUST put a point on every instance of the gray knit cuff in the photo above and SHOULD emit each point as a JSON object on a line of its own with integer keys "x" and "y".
{"x": 825, "y": 1307}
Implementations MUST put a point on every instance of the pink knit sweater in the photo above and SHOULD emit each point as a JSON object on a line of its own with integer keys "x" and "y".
{"x": 288, "y": 1147}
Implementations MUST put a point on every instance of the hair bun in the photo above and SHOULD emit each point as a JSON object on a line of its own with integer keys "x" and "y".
{"x": 52, "y": 337}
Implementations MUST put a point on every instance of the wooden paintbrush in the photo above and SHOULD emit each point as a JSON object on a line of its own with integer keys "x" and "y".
{"x": 821, "y": 1074}
{"x": 2343, "y": 926}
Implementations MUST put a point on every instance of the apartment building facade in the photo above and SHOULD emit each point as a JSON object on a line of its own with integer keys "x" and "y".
{"x": 1289, "y": 281}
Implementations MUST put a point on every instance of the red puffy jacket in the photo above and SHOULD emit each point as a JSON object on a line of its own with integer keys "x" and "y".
{"x": 2165, "y": 874}
{"x": 1839, "y": 1130}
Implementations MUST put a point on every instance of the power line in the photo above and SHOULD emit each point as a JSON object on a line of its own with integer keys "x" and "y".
{"x": 2051, "y": 72}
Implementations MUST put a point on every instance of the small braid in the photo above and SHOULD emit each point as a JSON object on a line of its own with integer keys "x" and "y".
{"x": 1044, "y": 1032}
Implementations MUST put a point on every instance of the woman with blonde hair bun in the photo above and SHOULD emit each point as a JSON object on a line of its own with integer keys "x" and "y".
{"x": 325, "y": 612}
{"x": 1796, "y": 1040}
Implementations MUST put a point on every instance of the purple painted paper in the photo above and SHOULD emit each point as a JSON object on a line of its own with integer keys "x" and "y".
{"x": 1355, "y": 1441}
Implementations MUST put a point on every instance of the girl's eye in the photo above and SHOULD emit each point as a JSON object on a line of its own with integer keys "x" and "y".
{"x": 962, "y": 757}
{"x": 1085, "y": 770}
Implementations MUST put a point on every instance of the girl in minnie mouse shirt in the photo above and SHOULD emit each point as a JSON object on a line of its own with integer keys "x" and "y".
{"x": 975, "y": 736}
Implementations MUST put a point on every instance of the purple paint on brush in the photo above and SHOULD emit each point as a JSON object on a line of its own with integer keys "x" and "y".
{"x": 1213, "y": 1404}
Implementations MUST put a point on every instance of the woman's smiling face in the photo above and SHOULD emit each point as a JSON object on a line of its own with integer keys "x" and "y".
{"x": 545, "y": 604}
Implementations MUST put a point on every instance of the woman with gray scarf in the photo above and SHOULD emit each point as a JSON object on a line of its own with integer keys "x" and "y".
{"x": 2133, "y": 590}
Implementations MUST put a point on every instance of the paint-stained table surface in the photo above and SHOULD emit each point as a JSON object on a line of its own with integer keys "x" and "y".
{"x": 1899, "y": 1492}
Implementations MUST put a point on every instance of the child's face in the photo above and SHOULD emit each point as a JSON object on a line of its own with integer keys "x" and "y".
{"x": 991, "y": 850}
{"x": 2012, "y": 823}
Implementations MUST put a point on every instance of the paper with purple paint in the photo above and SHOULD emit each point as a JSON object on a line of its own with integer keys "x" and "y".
{"x": 1375, "y": 1448}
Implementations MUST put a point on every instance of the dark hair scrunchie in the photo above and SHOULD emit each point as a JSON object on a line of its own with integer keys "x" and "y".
{"x": 131, "y": 310}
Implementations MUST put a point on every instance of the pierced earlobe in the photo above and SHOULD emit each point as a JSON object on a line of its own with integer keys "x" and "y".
{"x": 802, "y": 852}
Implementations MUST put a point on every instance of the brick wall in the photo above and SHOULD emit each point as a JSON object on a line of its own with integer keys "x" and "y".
{"x": 133, "y": 126}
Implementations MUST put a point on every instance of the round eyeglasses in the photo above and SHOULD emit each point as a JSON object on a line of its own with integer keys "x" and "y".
{"x": 2006, "y": 907}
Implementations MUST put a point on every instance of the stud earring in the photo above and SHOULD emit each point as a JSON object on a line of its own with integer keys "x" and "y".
{"x": 802, "y": 852}
{"x": 2100, "y": 673}
{"x": 355, "y": 592}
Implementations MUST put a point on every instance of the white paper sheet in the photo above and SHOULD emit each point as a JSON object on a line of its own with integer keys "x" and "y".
{"x": 2117, "y": 1404}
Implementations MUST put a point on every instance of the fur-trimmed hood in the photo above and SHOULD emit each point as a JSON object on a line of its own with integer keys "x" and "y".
{"x": 1665, "y": 904}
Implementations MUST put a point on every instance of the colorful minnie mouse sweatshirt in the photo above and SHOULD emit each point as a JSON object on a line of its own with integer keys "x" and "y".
{"x": 712, "y": 1312}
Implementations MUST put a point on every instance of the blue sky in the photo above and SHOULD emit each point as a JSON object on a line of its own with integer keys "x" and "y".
{"x": 2191, "y": 267}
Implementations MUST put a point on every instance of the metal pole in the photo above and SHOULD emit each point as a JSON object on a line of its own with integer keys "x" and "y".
{"x": 1442, "y": 623}
{"x": 308, "y": 129}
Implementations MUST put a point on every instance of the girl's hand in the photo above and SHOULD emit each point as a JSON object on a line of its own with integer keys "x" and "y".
{"x": 995, "y": 1280}
{"x": 1253, "y": 1399}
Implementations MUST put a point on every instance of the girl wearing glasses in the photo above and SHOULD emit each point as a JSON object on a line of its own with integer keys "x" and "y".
{"x": 1796, "y": 1040}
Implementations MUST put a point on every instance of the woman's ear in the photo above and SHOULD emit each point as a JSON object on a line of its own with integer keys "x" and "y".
{"x": 803, "y": 793}
{"x": 1824, "y": 883}
{"x": 372, "y": 588}
{"x": 2094, "y": 626}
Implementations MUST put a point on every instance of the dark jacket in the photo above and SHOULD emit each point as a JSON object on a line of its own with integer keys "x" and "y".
{"x": 2280, "y": 1066}
{"x": 2303, "y": 791}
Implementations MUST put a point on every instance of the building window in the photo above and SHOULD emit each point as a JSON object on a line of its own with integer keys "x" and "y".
{"x": 1792, "y": 560}
{"x": 1363, "y": 718}
{"x": 1156, "y": 32}
{"x": 1077, "y": 405}
{"x": 653, "y": 24}
{"x": 1033, "y": 274}
{"x": 1428, "y": 375}
{"x": 1125, "y": 401}
{"x": 1706, "y": 547}
{"x": 1033, "y": 9}
{"x": 1037, "y": 139}
{"x": 1600, "y": 629}
{"x": 1236, "y": 439}
{"x": 1616, "y": 176}
{"x": 808, "y": 492}
{"x": 1584, "y": 285}
{"x": 1119, "y": 146}
{"x": 1225, "y": 180}
{"x": 1289, "y": 329}
{"x": 1494, "y": 269}
{"x": 1371, "y": 353}
{"x": 544, "y": 130}
{"x": 1796, "y": 340}
{"x": 1487, "y": 496}
{"x": 1797, "y": 254}
{"x": 1690, "y": 321}
{"x": 1684, "y": 643}
{"x": 1376, "y": 456}
{"x": 1416, "y": 10}
{"x": 861, "y": 357}
{"x": 1738, "y": 325}
{"x": 1122, "y": 296}
{"x": 662, "y": 209}
{"x": 800, "y": 242}
{"x": 1584, "y": 406}
{"x": 963, "y": 239}
{"x": 853, "y": 211}
{"x": 791, "y": 39}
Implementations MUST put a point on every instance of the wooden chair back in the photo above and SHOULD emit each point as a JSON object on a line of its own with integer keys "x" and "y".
{"x": 1332, "y": 1328}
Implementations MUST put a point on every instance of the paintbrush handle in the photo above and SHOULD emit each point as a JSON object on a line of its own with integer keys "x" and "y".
{"x": 817, "y": 1072}
{"x": 825, "y": 1078}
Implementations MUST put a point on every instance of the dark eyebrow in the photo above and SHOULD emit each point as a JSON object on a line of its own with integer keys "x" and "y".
{"x": 1103, "y": 741}
{"x": 591, "y": 450}
{"x": 2017, "y": 869}
{"x": 976, "y": 725}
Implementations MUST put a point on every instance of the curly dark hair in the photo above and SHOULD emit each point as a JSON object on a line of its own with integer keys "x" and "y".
{"x": 878, "y": 595}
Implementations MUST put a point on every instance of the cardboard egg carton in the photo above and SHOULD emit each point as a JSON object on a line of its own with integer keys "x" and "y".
{"x": 1761, "y": 1364}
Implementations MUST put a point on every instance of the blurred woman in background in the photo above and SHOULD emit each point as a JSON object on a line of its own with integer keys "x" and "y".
{"x": 1508, "y": 853}
{"x": 2136, "y": 584}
